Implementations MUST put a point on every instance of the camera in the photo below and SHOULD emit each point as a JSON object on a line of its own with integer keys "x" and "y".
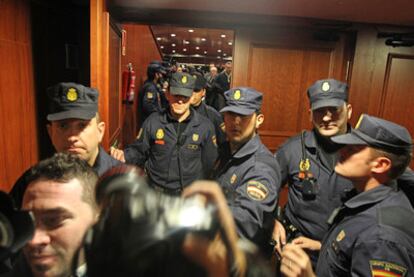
{"x": 140, "y": 230}
{"x": 16, "y": 227}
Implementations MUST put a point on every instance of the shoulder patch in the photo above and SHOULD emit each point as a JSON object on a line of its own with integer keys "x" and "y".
{"x": 382, "y": 268}
{"x": 150, "y": 95}
{"x": 139, "y": 133}
{"x": 256, "y": 190}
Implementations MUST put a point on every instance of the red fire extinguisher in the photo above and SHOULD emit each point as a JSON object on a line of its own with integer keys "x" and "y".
{"x": 128, "y": 85}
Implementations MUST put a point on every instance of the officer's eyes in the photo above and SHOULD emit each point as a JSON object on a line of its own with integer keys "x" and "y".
{"x": 63, "y": 125}
{"x": 83, "y": 124}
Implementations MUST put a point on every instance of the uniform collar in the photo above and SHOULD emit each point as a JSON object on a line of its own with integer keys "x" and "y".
{"x": 248, "y": 148}
{"x": 371, "y": 196}
{"x": 193, "y": 119}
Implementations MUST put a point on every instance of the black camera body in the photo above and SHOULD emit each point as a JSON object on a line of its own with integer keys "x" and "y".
{"x": 140, "y": 230}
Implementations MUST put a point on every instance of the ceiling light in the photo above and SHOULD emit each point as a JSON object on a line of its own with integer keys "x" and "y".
{"x": 185, "y": 49}
{"x": 224, "y": 54}
{"x": 205, "y": 52}
{"x": 218, "y": 57}
{"x": 158, "y": 38}
{"x": 230, "y": 43}
{"x": 173, "y": 45}
{"x": 173, "y": 51}
{"x": 197, "y": 48}
{"x": 191, "y": 31}
{"x": 223, "y": 35}
{"x": 173, "y": 35}
{"x": 203, "y": 39}
{"x": 162, "y": 47}
{"x": 186, "y": 42}
{"x": 219, "y": 51}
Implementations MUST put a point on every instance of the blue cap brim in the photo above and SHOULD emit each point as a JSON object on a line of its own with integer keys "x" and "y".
{"x": 78, "y": 114}
{"x": 322, "y": 103}
{"x": 238, "y": 110}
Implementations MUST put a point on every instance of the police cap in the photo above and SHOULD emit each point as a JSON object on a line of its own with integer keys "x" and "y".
{"x": 71, "y": 100}
{"x": 182, "y": 84}
{"x": 200, "y": 82}
{"x": 378, "y": 133}
{"x": 242, "y": 100}
{"x": 328, "y": 93}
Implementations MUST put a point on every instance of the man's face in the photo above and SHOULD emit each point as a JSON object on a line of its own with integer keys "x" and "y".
{"x": 197, "y": 97}
{"x": 62, "y": 218}
{"x": 228, "y": 67}
{"x": 355, "y": 162}
{"x": 213, "y": 71}
{"x": 241, "y": 128}
{"x": 77, "y": 136}
{"x": 179, "y": 104}
{"x": 331, "y": 121}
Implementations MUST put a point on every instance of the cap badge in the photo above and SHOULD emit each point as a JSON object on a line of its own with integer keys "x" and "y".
{"x": 184, "y": 79}
{"x": 159, "y": 134}
{"x": 325, "y": 86}
{"x": 359, "y": 121}
{"x": 72, "y": 94}
{"x": 195, "y": 137}
{"x": 236, "y": 95}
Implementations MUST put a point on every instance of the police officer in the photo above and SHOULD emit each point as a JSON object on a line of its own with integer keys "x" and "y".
{"x": 74, "y": 127}
{"x": 372, "y": 232}
{"x": 151, "y": 97}
{"x": 177, "y": 146}
{"x": 200, "y": 106}
{"x": 246, "y": 170}
{"x": 307, "y": 164}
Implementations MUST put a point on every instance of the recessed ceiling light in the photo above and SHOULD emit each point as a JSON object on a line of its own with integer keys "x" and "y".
{"x": 191, "y": 31}
{"x": 223, "y": 35}
{"x": 197, "y": 48}
{"x": 205, "y": 52}
{"x": 218, "y": 57}
{"x": 173, "y": 51}
{"x": 173, "y": 35}
{"x": 203, "y": 39}
{"x": 219, "y": 51}
{"x": 162, "y": 47}
{"x": 186, "y": 42}
{"x": 173, "y": 45}
{"x": 230, "y": 43}
{"x": 185, "y": 49}
{"x": 224, "y": 54}
{"x": 158, "y": 38}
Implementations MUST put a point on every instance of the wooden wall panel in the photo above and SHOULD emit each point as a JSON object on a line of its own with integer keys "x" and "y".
{"x": 18, "y": 139}
{"x": 141, "y": 49}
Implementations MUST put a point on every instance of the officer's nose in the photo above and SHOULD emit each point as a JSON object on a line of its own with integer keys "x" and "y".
{"x": 40, "y": 238}
{"x": 327, "y": 115}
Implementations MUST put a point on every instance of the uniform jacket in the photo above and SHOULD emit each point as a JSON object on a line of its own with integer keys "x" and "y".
{"x": 216, "y": 118}
{"x": 171, "y": 161}
{"x": 372, "y": 235}
{"x": 151, "y": 99}
{"x": 250, "y": 181}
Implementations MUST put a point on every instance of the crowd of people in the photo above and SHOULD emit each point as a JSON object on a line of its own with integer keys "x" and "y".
{"x": 348, "y": 211}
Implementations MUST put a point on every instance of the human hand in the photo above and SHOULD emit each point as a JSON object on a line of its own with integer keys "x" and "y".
{"x": 212, "y": 255}
{"x": 307, "y": 243}
{"x": 117, "y": 154}
{"x": 279, "y": 236}
{"x": 295, "y": 262}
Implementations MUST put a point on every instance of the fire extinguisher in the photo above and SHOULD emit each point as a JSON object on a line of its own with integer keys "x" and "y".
{"x": 128, "y": 85}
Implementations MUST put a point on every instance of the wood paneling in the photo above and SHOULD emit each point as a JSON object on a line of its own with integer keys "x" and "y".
{"x": 283, "y": 64}
{"x": 141, "y": 49}
{"x": 18, "y": 139}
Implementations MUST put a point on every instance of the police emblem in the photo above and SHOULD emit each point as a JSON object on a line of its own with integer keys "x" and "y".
{"x": 195, "y": 137}
{"x": 184, "y": 79}
{"x": 256, "y": 190}
{"x": 159, "y": 134}
{"x": 233, "y": 179}
{"x": 382, "y": 268}
{"x": 359, "y": 121}
{"x": 326, "y": 86}
{"x": 304, "y": 165}
{"x": 150, "y": 95}
{"x": 72, "y": 94}
{"x": 237, "y": 94}
{"x": 340, "y": 236}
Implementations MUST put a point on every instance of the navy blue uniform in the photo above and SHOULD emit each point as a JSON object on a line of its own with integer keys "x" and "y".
{"x": 371, "y": 236}
{"x": 310, "y": 216}
{"x": 103, "y": 163}
{"x": 174, "y": 158}
{"x": 216, "y": 118}
{"x": 151, "y": 99}
{"x": 250, "y": 181}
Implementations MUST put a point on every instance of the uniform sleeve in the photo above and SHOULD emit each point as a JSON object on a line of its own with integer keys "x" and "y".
{"x": 381, "y": 258}
{"x": 137, "y": 152}
{"x": 255, "y": 202}
{"x": 209, "y": 152}
{"x": 150, "y": 100}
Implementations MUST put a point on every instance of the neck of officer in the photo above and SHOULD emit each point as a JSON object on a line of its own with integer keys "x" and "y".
{"x": 371, "y": 182}
{"x": 236, "y": 145}
{"x": 94, "y": 156}
{"x": 180, "y": 117}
